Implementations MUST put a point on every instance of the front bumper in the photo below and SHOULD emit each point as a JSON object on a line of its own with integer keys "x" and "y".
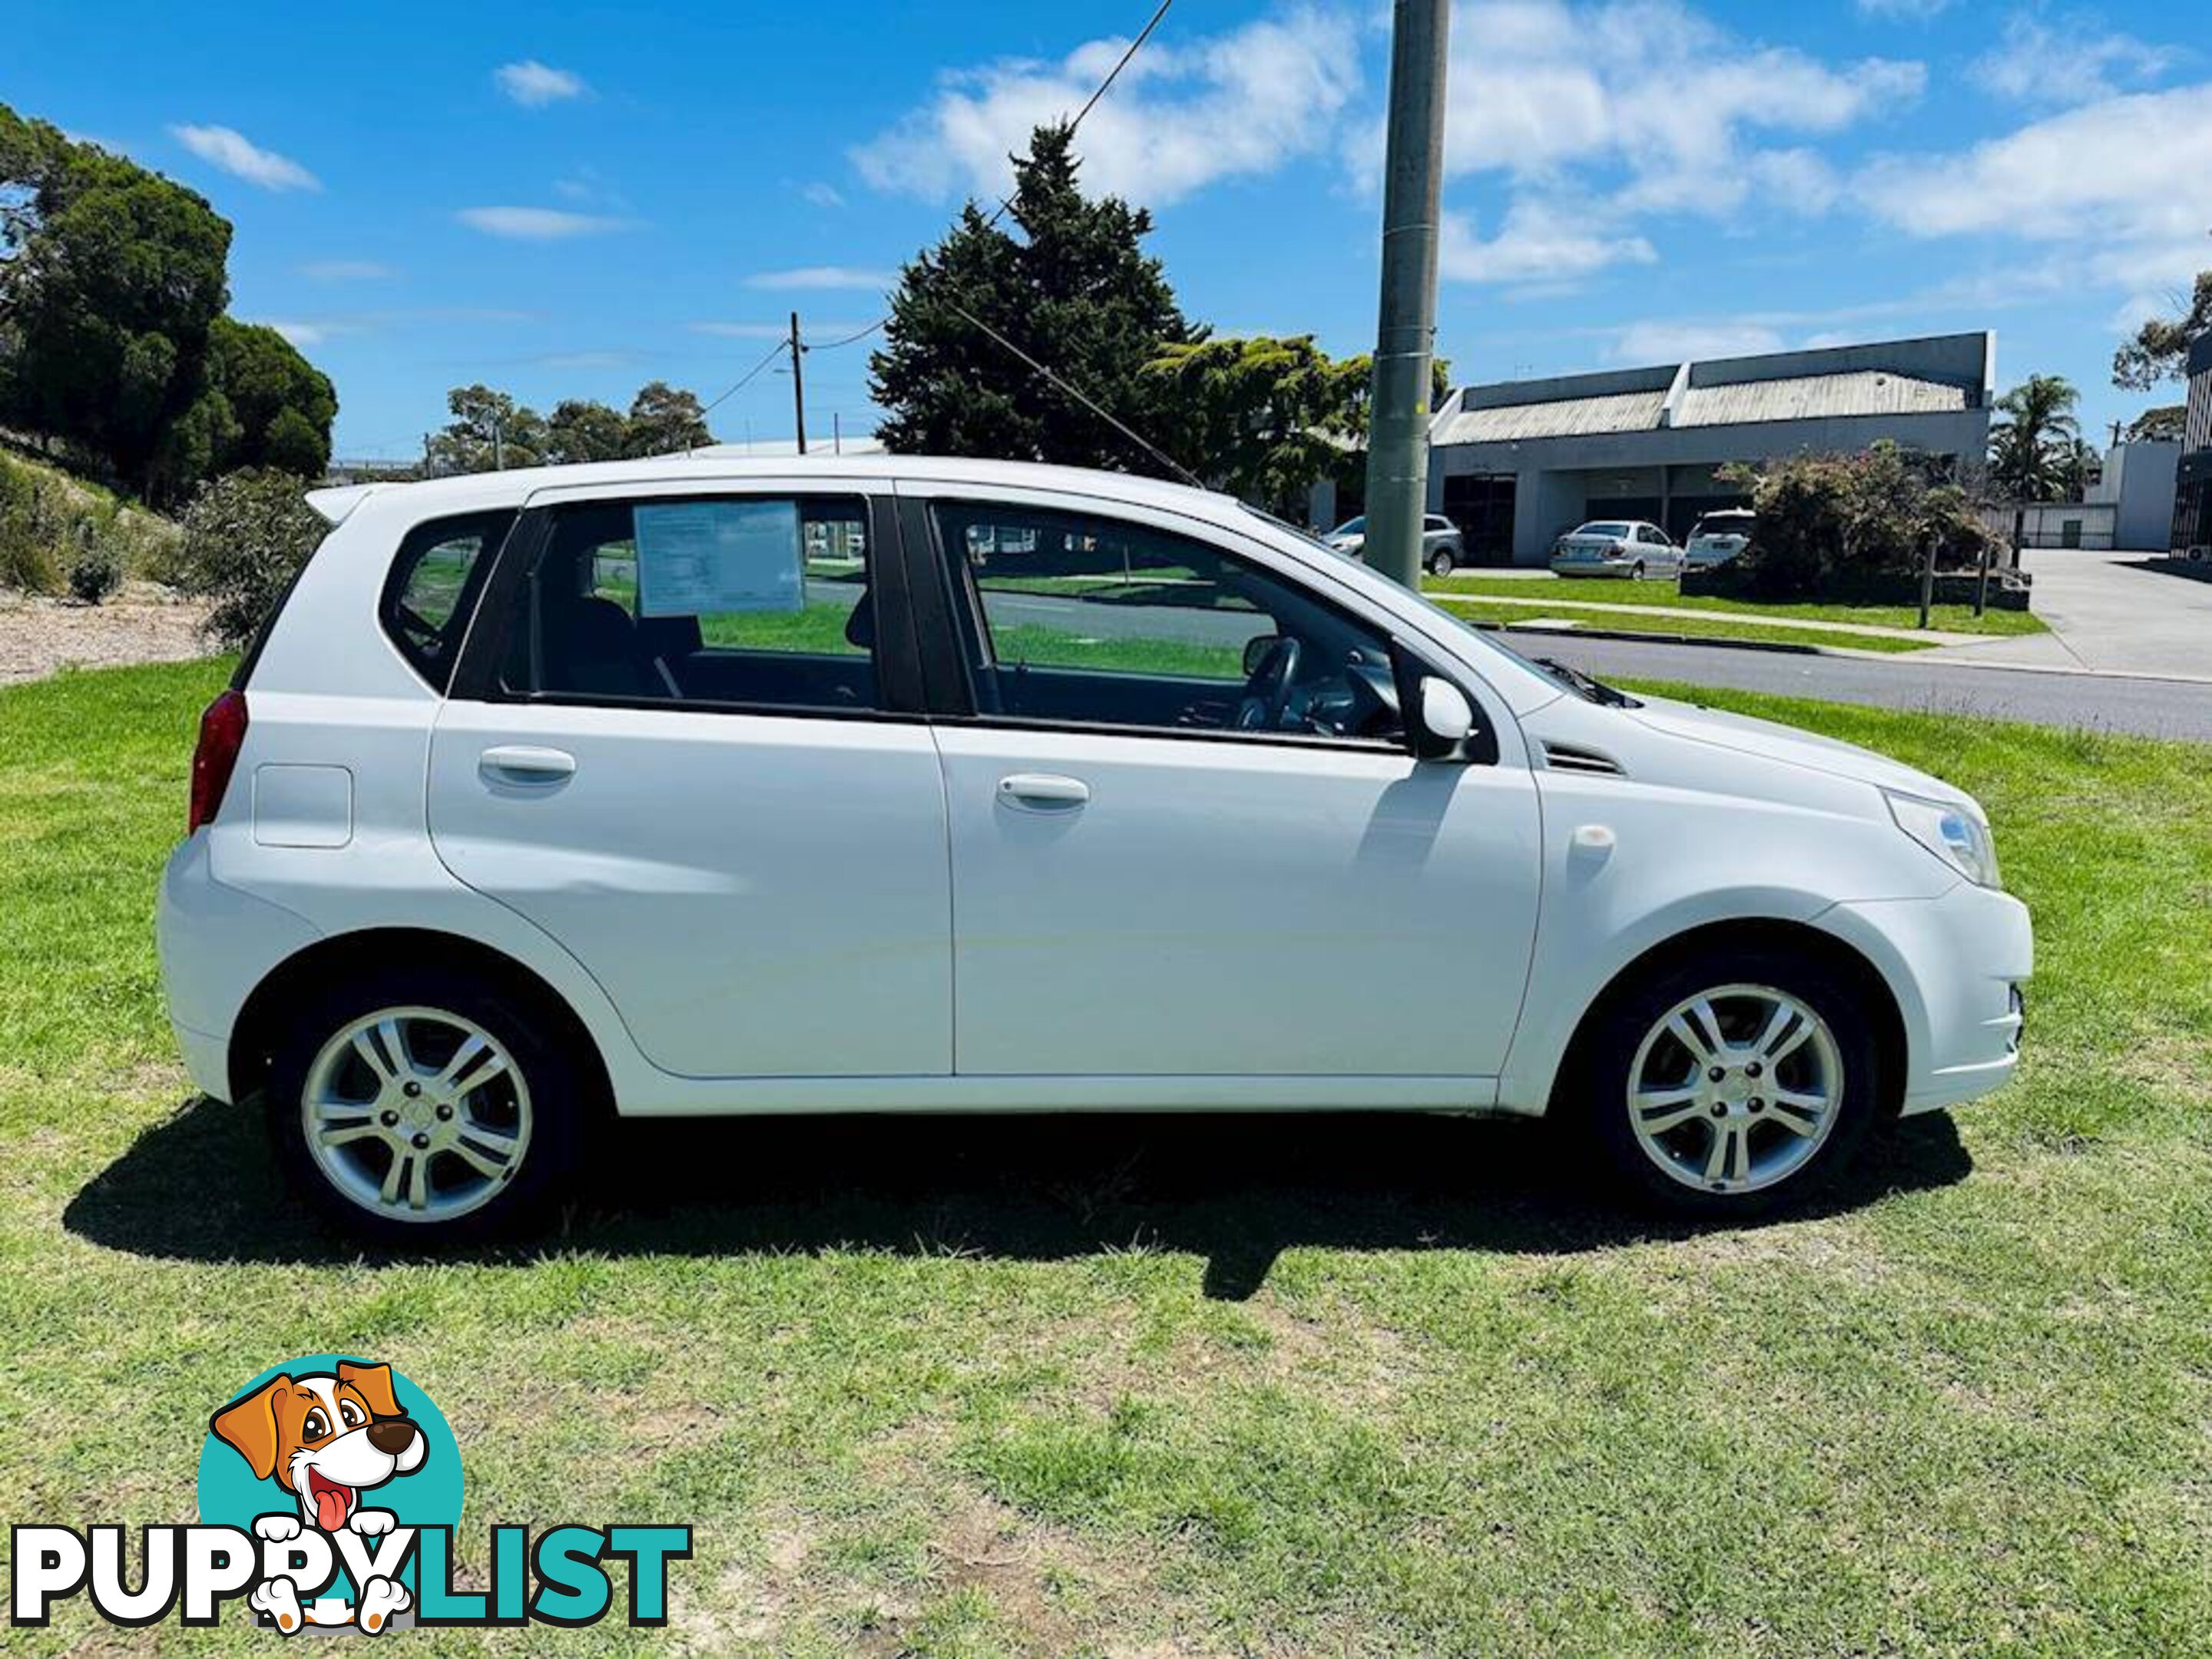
{"x": 1959, "y": 964}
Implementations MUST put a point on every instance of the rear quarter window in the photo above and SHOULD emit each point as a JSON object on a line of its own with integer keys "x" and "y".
{"x": 433, "y": 588}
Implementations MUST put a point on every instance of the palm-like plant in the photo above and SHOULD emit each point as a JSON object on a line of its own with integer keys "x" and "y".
{"x": 2032, "y": 448}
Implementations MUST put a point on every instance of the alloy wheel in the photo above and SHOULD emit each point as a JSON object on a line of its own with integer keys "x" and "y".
{"x": 416, "y": 1114}
{"x": 1735, "y": 1089}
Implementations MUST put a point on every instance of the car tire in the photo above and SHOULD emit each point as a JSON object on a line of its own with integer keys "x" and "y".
{"x": 1636, "y": 573}
{"x": 1659, "y": 1121}
{"x": 496, "y": 1141}
{"x": 1440, "y": 561}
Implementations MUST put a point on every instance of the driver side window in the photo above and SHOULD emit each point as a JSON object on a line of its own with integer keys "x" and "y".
{"x": 1075, "y": 619}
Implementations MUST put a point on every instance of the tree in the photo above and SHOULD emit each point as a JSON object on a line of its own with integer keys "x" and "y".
{"x": 282, "y": 405}
{"x": 1074, "y": 289}
{"x": 2032, "y": 449}
{"x": 665, "y": 420}
{"x": 2160, "y": 425}
{"x": 2160, "y": 349}
{"x": 489, "y": 430}
{"x": 110, "y": 279}
{"x": 585, "y": 429}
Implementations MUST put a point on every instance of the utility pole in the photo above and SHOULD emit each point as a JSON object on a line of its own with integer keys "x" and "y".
{"x": 498, "y": 444}
{"x": 798, "y": 383}
{"x": 837, "y": 434}
{"x": 1406, "y": 334}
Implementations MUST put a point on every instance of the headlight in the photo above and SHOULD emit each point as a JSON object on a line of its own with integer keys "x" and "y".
{"x": 1957, "y": 838}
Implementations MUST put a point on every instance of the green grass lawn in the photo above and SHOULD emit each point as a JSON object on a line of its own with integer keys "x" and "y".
{"x": 1688, "y": 628}
{"x": 1232, "y": 1386}
{"x": 1955, "y": 618}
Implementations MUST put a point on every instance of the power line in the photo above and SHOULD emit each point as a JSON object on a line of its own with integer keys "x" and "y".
{"x": 1121, "y": 426}
{"x": 1005, "y": 205}
{"x": 746, "y": 379}
{"x": 1115, "y": 74}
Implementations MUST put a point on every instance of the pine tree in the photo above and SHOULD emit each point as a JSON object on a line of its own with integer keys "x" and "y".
{"x": 1070, "y": 284}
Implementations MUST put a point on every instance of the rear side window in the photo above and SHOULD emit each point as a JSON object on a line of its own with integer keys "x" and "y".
{"x": 760, "y": 603}
{"x": 432, "y": 588}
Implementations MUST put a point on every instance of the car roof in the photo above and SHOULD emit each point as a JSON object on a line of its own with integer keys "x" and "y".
{"x": 478, "y": 492}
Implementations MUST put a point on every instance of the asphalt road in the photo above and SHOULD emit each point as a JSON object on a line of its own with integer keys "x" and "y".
{"x": 2150, "y": 708}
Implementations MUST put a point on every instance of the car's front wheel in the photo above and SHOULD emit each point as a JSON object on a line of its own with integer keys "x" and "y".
{"x": 409, "y": 1104}
{"x": 1731, "y": 1082}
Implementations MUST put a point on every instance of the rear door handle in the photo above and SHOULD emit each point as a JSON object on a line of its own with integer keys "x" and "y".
{"x": 520, "y": 763}
{"x": 1043, "y": 792}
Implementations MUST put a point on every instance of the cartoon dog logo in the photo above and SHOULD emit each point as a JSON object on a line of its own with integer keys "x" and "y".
{"x": 325, "y": 1437}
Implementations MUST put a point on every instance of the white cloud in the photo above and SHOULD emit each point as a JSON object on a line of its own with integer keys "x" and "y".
{"x": 530, "y": 224}
{"x": 821, "y": 277}
{"x": 345, "y": 270}
{"x": 533, "y": 85}
{"x": 1180, "y": 117}
{"x": 2123, "y": 186}
{"x": 1537, "y": 243}
{"x": 822, "y": 193}
{"x": 231, "y": 150}
{"x": 302, "y": 334}
{"x": 1674, "y": 343}
{"x": 2066, "y": 60}
{"x": 1918, "y": 11}
{"x": 1649, "y": 90}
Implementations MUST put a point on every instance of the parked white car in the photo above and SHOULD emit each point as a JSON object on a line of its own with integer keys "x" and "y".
{"x": 1443, "y": 550}
{"x": 1617, "y": 547}
{"x": 556, "y": 794}
{"x": 1719, "y": 537}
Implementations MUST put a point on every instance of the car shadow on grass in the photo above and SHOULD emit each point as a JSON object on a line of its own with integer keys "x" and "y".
{"x": 1236, "y": 1188}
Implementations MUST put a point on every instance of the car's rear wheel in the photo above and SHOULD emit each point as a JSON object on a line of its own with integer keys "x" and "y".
{"x": 410, "y": 1105}
{"x": 1731, "y": 1082}
{"x": 1441, "y": 562}
{"x": 1635, "y": 575}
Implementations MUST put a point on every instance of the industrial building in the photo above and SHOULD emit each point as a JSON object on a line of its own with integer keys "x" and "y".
{"x": 2192, "y": 502}
{"x": 1517, "y": 464}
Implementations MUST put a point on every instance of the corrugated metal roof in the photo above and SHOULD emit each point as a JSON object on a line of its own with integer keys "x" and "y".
{"x": 1817, "y": 396}
{"x": 1567, "y": 417}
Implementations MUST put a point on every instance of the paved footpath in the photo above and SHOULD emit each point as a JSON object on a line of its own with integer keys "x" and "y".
{"x": 1568, "y": 605}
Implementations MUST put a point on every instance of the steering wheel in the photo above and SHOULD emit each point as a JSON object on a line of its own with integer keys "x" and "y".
{"x": 1267, "y": 692}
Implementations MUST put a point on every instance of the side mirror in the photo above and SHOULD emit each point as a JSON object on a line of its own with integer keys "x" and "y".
{"x": 1255, "y": 652}
{"x": 1447, "y": 718}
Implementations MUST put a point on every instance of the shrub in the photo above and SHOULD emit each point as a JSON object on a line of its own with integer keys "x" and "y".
{"x": 245, "y": 537}
{"x": 96, "y": 569}
{"x": 31, "y": 514}
{"x": 1824, "y": 519}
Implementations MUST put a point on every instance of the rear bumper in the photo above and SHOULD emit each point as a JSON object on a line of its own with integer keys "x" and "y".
{"x": 1593, "y": 567}
{"x": 1959, "y": 964}
{"x": 217, "y": 946}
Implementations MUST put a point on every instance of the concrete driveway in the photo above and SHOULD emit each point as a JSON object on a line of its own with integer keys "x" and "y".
{"x": 2119, "y": 613}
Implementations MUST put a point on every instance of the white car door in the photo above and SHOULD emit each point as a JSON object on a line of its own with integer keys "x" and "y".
{"x": 1174, "y": 852}
{"x": 677, "y": 750}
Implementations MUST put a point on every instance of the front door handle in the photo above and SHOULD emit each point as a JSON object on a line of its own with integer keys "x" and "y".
{"x": 521, "y": 763}
{"x": 1043, "y": 792}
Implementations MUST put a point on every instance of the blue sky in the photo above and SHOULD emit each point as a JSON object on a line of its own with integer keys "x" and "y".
{"x": 567, "y": 201}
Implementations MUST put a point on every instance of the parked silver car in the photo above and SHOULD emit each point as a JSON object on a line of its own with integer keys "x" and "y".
{"x": 1719, "y": 537}
{"x": 1617, "y": 547}
{"x": 1443, "y": 550}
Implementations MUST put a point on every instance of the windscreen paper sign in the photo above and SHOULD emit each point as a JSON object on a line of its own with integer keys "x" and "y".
{"x": 700, "y": 558}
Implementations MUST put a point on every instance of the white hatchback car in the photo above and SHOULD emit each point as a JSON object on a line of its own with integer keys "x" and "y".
{"x": 887, "y": 784}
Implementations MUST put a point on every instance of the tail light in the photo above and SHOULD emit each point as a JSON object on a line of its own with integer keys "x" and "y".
{"x": 222, "y": 734}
